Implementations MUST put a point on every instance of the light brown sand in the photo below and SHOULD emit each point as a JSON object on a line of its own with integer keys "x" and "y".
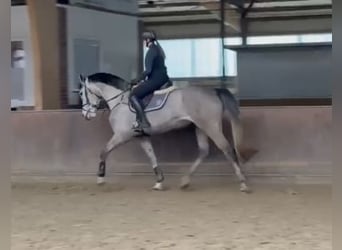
{"x": 128, "y": 215}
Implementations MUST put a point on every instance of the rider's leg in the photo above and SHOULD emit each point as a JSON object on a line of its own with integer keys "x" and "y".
{"x": 141, "y": 117}
{"x": 137, "y": 94}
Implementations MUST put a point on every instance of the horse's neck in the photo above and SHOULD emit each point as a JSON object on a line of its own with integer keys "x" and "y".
{"x": 108, "y": 93}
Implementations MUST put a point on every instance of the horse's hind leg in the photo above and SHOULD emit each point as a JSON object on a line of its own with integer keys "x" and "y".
{"x": 216, "y": 134}
{"x": 203, "y": 145}
{"x": 147, "y": 147}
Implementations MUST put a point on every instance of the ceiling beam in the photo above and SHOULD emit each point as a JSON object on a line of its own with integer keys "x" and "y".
{"x": 291, "y": 8}
{"x": 168, "y": 4}
{"x": 289, "y": 14}
{"x": 289, "y": 18}
{"x": 281, "y": 26}
{"x": 181, "y": 17}
{"x": 231, "y": 17}
{"x": 175, "y": 13}
{"x": 239, "y": 4}
{"x": 291, "y": 3}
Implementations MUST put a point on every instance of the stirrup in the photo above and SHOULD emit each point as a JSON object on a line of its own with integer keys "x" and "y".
{"x": 138, "y": 130}
{"x": 137, "y": 127}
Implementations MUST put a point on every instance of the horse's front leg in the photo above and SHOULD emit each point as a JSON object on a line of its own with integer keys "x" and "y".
{"x": 147, "y": 147}
{"x": 113, "y": 143}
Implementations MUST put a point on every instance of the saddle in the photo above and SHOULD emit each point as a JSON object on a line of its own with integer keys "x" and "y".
{"x": 157, "y": 99}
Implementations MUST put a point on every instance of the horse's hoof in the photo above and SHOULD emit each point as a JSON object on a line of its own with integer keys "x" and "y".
{"x": 184, "y": 186}
{"x": 158, "y": 186}
{"x": 185, "y": 182}
{"x": 100, "y": 181}
{"x": 245, "y": 189}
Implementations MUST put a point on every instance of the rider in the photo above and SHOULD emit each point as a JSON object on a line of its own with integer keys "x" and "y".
{"x": 152, "y": 79}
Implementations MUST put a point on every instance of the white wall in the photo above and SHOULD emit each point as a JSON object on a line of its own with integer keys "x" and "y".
{"x": 117, "y": 36}
{"x": 20, "y": 30}
{"x": 285, "y": 72}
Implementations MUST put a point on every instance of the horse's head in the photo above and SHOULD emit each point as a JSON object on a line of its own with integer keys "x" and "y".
{"x": 91, "y": 97}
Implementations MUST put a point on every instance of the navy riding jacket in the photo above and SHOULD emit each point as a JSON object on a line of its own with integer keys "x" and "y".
{"x": 154, "y": 64}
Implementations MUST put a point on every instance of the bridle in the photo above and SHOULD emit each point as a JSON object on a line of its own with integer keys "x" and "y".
{"x": 88, "y": 104}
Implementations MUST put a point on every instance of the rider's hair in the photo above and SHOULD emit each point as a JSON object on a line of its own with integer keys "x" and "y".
{"x": 161, "y": 50}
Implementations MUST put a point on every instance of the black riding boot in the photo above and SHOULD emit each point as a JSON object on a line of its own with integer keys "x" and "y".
{"x": 141, "y": 117}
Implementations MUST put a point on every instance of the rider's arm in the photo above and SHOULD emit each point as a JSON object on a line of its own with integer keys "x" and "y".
{"x": 150, "y": 56}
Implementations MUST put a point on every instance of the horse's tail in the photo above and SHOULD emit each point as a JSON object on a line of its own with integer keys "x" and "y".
{"x": 232, "y": 113}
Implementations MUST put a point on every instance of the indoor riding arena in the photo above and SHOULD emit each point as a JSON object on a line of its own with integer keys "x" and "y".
{"x": 274, "y": 56}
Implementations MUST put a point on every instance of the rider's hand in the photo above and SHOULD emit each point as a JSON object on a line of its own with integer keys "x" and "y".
{"x": 134, "y": 82}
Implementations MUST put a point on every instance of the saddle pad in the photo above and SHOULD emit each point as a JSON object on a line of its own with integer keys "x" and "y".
{"x": 157, "y": 101}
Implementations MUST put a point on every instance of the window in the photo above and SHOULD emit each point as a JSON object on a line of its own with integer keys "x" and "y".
{"x": 290, "y": 39}
{"x": 17, "y": 73}
{"x": 316, "y": 38}
{"x": 206, "y": 57}
{"x": 178, "y": 57}
{"x": 198, "y": 57}
{"x": 18, "y": 54}
{"x": 283, "y": 39}
{"x": 230, "y": 62}
{"x": 233, "y": 41}
{"x": 203, "y": 57}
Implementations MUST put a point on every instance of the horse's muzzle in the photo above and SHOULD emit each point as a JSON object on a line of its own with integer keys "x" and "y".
{"x": 88, "y": 114}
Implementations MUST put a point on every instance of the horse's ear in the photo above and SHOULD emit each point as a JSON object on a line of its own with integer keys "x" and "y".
{"x": 82, "y": 79}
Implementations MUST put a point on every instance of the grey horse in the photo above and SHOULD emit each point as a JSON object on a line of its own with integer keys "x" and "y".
{"x": 167, "y": 109}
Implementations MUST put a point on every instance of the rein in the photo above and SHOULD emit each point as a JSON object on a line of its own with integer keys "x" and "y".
{"x": 108, "y": 100}
{"x": 121, "y": 101}
{"x": 116, "y": 96}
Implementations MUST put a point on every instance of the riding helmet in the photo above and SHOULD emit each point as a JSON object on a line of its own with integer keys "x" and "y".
{"x": 149, "y": 35}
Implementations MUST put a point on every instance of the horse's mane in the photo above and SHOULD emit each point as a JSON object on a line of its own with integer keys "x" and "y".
{"x": 108, "y": 79}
